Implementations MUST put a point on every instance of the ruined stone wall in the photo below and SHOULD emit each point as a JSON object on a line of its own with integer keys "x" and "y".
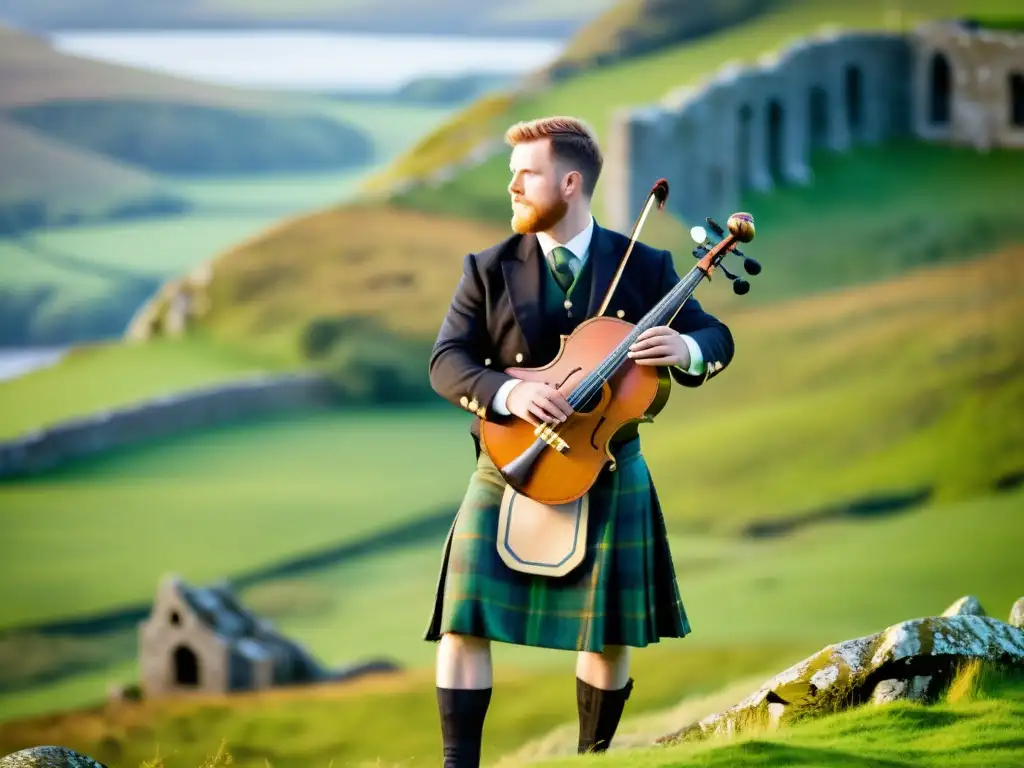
{"x": 969, "y": 86}
{"x": 52, "y": 447}
{"x": 757, "y": 127}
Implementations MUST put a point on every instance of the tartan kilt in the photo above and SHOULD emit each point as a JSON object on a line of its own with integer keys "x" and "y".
{"x": 623, "y": 593}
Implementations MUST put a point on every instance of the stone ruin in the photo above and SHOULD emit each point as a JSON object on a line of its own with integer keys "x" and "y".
{"x": 203, "y": 640}
{"x": 756, "y": 128}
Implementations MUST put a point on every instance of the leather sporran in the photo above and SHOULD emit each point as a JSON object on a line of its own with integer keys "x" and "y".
{"x": 541, "y": 539}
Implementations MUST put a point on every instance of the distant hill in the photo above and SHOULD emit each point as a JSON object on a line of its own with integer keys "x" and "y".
{"x": 48, "y": 182}
{"x": 69, "y": 117}
{"x": 547, "y": 18}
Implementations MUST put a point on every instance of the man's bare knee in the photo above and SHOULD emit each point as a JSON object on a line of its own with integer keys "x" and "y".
{"x": 467, "y": 643}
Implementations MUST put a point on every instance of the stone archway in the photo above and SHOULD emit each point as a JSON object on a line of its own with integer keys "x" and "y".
{"x": 744, "y": 149}
{"x": 776, "y": 169}
{"x": 1016, "y": 89}
{"x": 186, "y": 667}
{"x": 853, "y": 92}
{"x": 940, "y": 89}
{"x": 817, "y": 112}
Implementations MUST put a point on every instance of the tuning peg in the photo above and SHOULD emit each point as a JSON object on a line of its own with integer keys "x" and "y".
{"x": 715, "y": 227}
{"x": 699, "y": 235}
{"x": 740, "y": 286}
{"x": 751, "y": 266}
{"x": 726, "y": 272}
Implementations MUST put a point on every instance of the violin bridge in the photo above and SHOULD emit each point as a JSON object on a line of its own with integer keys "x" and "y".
{"x": 552, "y": 438}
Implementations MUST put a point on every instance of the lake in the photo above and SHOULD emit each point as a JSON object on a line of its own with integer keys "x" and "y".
{"x": 307, "y": 60}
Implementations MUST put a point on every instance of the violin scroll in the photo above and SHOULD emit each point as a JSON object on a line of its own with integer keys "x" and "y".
{"x": 741, "y": 226}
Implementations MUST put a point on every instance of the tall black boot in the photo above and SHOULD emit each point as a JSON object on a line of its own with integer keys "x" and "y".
{"x": 462, "y": 724}
{"x": 599, "y": 713}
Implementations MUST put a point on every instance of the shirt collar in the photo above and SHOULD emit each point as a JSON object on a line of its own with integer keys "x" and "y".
{"x": 578, "y": 245}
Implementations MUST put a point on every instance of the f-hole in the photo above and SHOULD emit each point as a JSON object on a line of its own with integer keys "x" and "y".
{"x": 1017, "y": 100}
{"x": 940, "y": 78}
{"x": 186, "y": 666}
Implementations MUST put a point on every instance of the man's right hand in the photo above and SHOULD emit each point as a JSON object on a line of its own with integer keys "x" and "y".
{"x": 539, "y": 401}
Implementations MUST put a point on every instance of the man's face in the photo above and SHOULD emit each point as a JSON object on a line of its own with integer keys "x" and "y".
{"x": 535, "y": 188}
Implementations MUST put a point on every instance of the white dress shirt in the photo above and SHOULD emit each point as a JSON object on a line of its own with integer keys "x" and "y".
{"x": 580, "y": 248}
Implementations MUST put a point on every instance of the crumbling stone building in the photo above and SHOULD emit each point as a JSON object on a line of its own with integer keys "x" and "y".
{"x": 755, "y": 128}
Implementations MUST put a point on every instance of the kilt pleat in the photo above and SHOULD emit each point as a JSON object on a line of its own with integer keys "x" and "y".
{"x": 623, "y": 593}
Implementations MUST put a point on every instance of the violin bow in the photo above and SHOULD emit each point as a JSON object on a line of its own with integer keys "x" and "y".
{"x": 659, "y": 194}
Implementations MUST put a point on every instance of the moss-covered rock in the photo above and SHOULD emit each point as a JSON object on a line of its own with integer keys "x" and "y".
{"x": 48, "y": 757}
{"x": 911, "y": 659}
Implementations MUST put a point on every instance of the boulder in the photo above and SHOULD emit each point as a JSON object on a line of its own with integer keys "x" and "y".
{"x": 48, "y": 757}
{"x": 911, "y": 659}
{"x": 968, "y": 605}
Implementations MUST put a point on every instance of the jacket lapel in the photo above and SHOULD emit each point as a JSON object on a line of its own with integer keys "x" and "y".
{"x": 603, "y": 264}
{"x": 522, "y": 281}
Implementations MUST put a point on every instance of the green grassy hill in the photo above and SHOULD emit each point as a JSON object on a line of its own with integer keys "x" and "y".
{"x": 54, "y": 183}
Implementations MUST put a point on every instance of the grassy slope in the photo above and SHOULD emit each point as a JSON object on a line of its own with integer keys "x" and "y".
{"x": 51, "y": 171}
{"x": 766, "y": 607}
{"x": 976, "y": 723}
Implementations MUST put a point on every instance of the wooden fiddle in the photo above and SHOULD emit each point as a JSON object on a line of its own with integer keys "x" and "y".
{"x": 557, "y": 464}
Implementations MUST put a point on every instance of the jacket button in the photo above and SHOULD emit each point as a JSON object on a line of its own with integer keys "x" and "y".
{"x": 487, "y": 361}
{"x": 621, "y": 313}
{"x": 519, "y": 357}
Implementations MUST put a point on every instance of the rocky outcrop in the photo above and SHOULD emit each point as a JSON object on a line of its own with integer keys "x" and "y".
{"x": 1017, "y": 613}
{"x": 913, "y": 659}
{"x": 175, "y": 308}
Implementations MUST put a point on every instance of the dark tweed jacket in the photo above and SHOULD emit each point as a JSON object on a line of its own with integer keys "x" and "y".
{"x": 495, "y": 318}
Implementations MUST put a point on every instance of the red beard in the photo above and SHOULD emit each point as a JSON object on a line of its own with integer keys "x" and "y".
{"x": 538, "y": 220}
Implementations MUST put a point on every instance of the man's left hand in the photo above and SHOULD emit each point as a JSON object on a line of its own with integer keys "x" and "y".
{"x": 660, "y": 345}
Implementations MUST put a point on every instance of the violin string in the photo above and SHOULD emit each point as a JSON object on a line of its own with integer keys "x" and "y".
{"x": 596, "y": 379}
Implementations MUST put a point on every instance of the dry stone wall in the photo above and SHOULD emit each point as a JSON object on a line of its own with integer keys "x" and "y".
{"x": 53, "y": 447}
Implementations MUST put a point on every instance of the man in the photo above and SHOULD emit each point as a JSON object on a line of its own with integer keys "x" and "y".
{"x": 512, "y": 303}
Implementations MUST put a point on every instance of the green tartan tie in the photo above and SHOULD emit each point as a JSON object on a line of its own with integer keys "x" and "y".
{"x": 561, "y": 257}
